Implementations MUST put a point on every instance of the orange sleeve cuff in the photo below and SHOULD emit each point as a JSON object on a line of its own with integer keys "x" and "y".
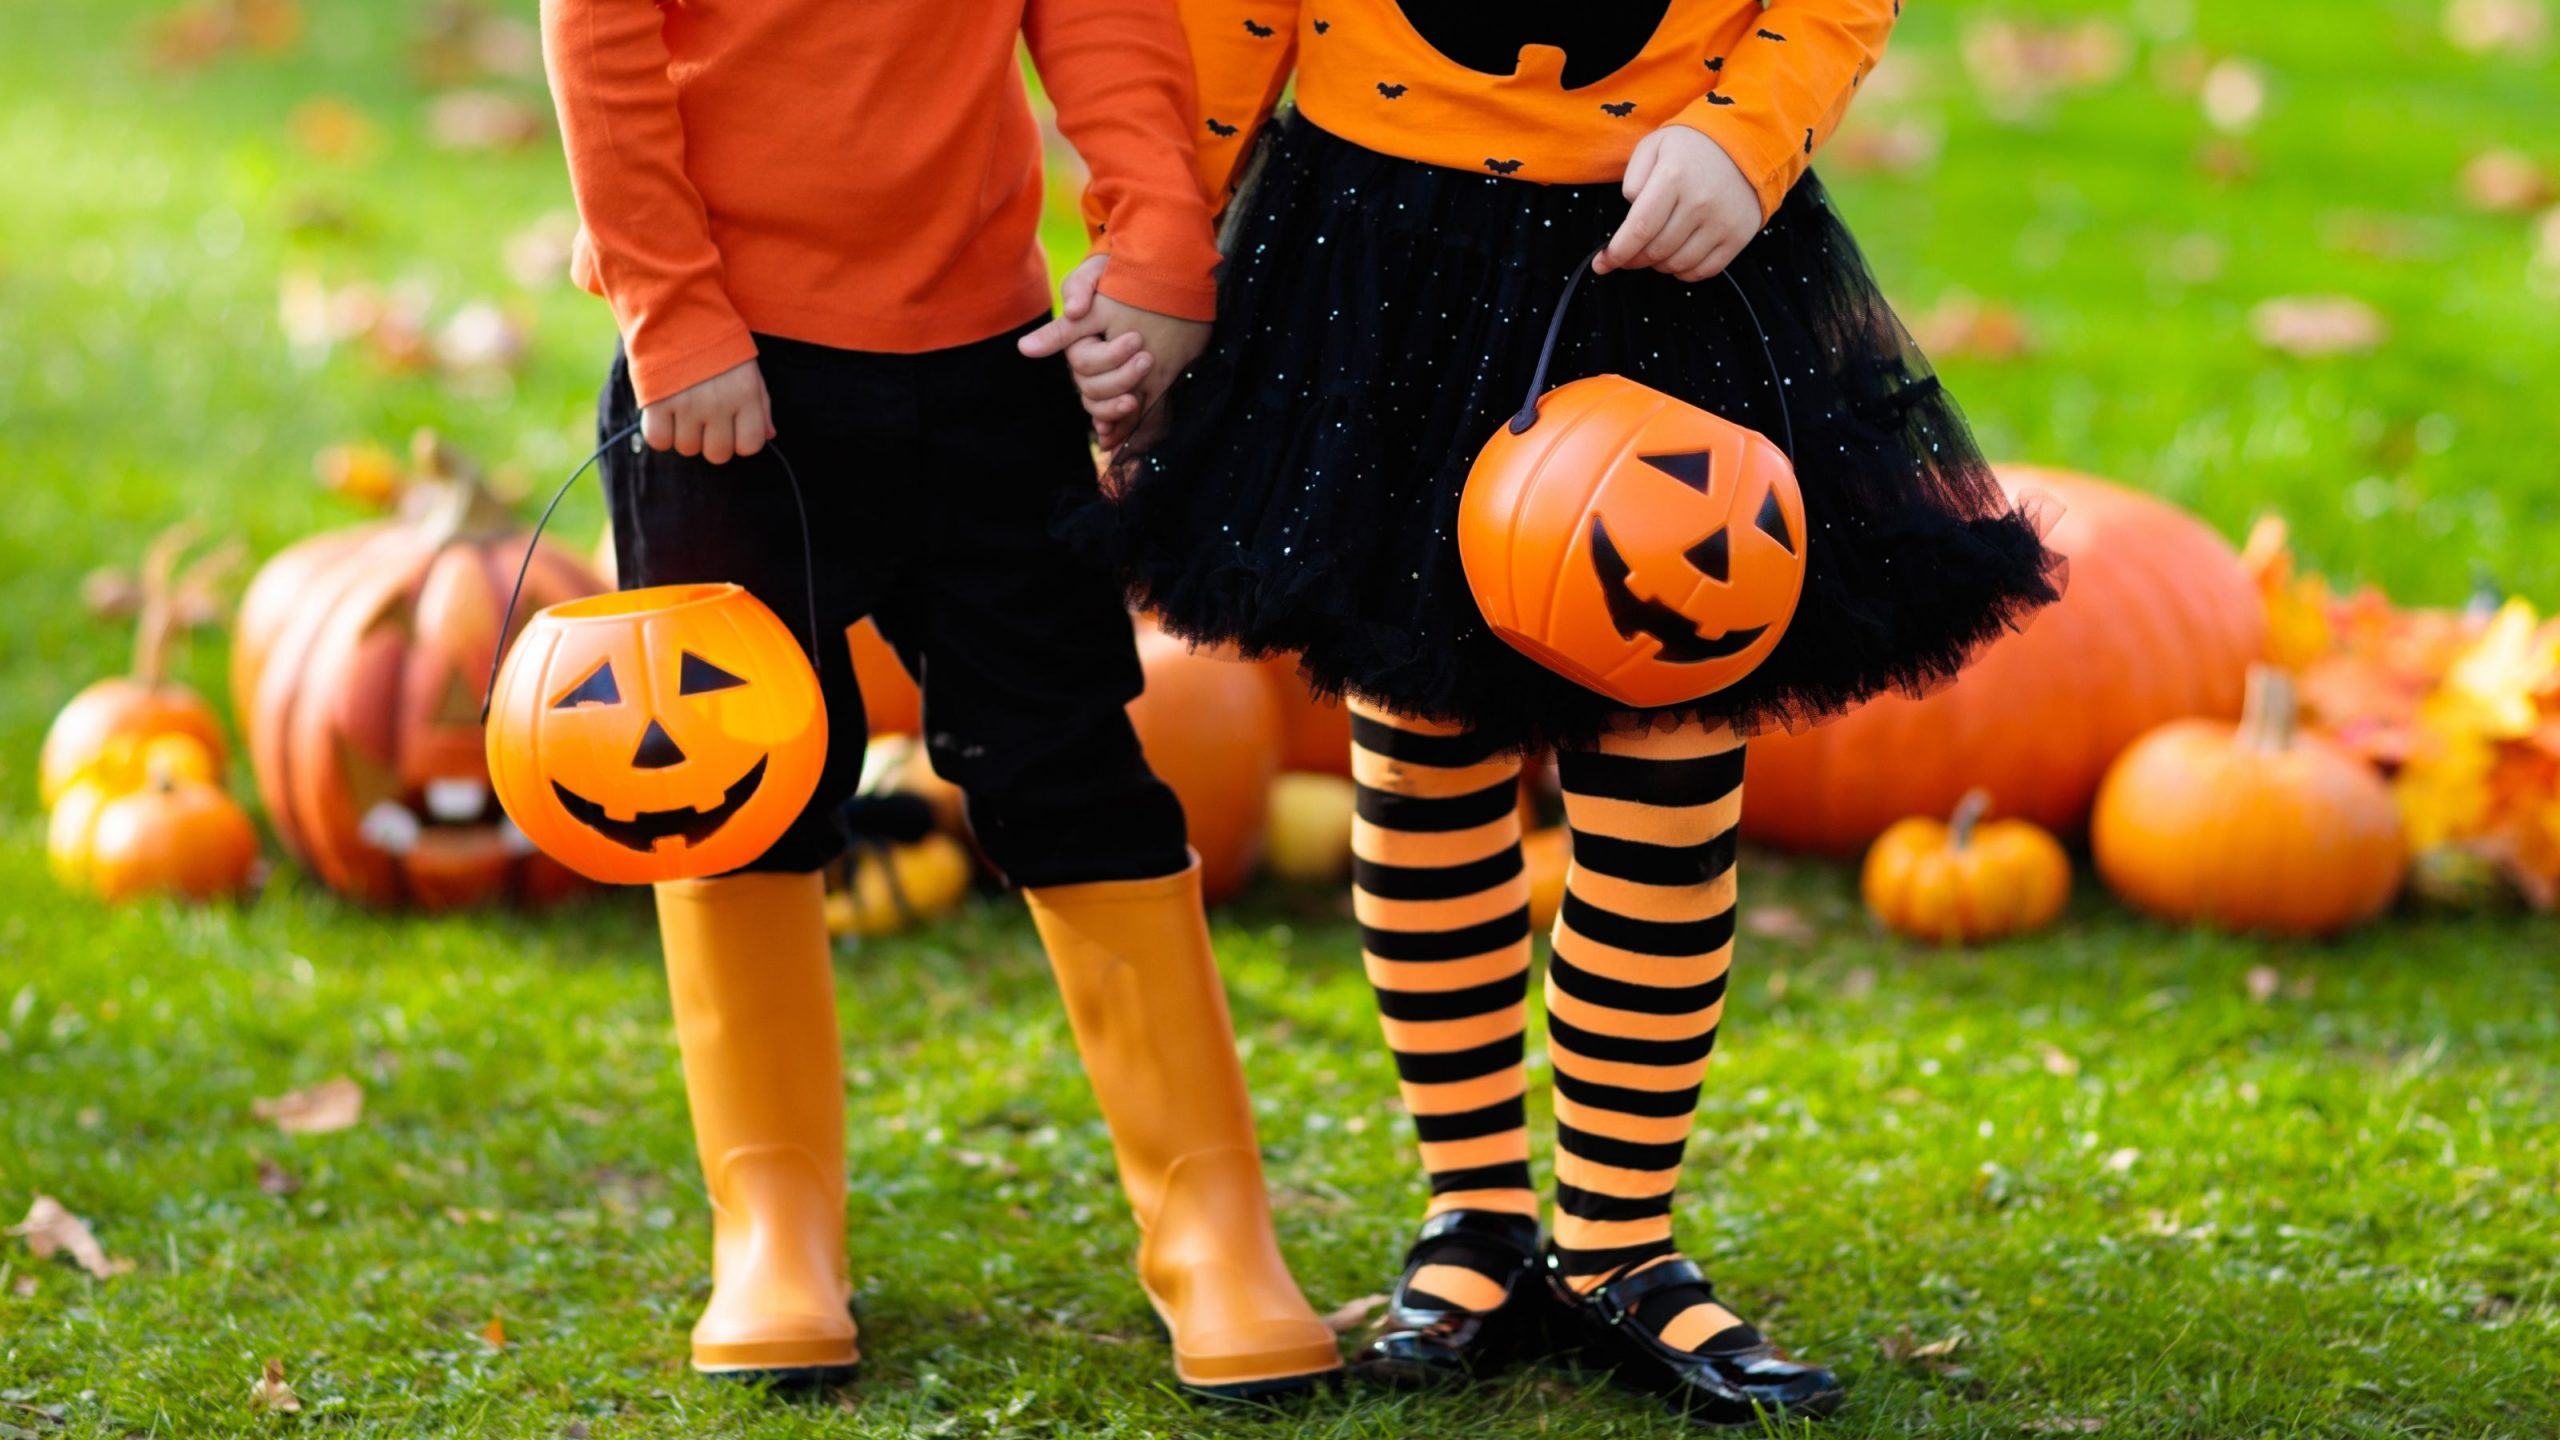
{"x": 664, "y": 362}
{"x": 1770, "y": 160}
{"x": 1184, "y": 294}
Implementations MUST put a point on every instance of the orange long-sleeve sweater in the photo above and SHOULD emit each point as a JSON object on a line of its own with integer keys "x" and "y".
{"x": 1536, "y": 90}
{"x": 861, "y": 176}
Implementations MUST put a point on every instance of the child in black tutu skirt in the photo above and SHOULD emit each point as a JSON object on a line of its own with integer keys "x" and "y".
{"x": 1391, "y": 264}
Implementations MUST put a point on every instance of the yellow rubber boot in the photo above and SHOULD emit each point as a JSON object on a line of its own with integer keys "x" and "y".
{"x": 1150, "y": 1018}
{"x": 755, "y": 1005}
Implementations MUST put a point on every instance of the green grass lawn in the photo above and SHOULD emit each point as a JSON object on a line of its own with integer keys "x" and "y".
{"x": 2153, "y": 1197}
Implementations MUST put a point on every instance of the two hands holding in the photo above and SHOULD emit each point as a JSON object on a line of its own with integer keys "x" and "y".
{"x": 1691, "y": 212}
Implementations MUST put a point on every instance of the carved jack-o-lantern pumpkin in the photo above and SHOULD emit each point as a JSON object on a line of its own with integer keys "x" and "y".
{"x": 357, "y": 667}
{"x": 1633, "y": 543}
{"x": 659, "y": 734}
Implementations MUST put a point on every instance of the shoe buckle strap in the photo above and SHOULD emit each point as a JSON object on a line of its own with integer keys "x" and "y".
{"x": 1618, "y": 1299}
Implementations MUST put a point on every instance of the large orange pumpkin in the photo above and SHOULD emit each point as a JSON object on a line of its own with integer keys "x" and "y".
{"x": 358, "y": 665}
{"x": 1633, "y": 543}
{"x": 661, "y": 734}
{"x": 1211, "y": 728}
{"x": 2251, "y": 826}
{"x": 2159, "y": 622}
{"x": 1315, "y": 730}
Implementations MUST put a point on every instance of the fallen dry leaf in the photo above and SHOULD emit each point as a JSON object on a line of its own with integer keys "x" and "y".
{"x": 2057, "y": 1061}
{"x": 2311, "y": 325}
{"x": 2262, "y": 982}
{"x": 494, "y": 1334}
{"x": 110, "y": 593}
{"x": 274, "y": 1179}
{"x": 271, "y": 1395}
{"x": 25, "y": 1287}
{"x": 2065, "y": 1425}
{"x": 1961, "y": 326}
{"x": 1858, "y": 984}
{"x": 2507, "y": 182}
{"x": 481, "y": 120}
{"x": 537, "y": 256}
{"x": 480, "y": 337}
{"x": 2483, "y": 26}
{"x": 332, "y": 1105}
{"x": 330, "y": 128}
{"x": 2234, "y": 96}
{"x": 1779, "y": 922}
{"x": 1350, "y": 1315}
{"x": 51, "y": 1229}
{"x": 1898, "y": 148}
{"x": 1903, "y": 1347}
{"x": 2120, "y": 1161}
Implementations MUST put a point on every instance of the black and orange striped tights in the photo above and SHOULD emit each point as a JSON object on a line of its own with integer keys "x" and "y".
{"x": 1634, "y": 990}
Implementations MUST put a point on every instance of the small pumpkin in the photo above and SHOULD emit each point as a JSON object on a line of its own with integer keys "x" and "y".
{"x": 148, "y": 819}
{"x": 888, "y": 888}
{"x": 2249, "y": 827}
{"x": 1967, "y": 879}
{"x": 1211, "y": 728}
{"x": 145, "y": 702}
{"x": 1311, "y": 827}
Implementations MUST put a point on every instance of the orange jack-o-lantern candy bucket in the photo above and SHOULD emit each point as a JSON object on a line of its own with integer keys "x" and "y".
{"x": 1631, "y": 542}
{"x": 669, "y": 733}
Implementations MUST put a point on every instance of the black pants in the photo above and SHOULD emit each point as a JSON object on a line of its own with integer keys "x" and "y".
{"x": 932, "y": 482}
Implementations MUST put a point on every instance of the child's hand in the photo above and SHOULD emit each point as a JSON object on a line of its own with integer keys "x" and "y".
{"x": 1123, "y": 357}
{"x": 1693, "y": 210}
{"x": 728, "y": 414}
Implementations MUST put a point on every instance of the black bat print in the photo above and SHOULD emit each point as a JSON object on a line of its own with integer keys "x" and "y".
{"x": 1715, "y": 62}
{"x": 1621, "y": 109}
{"x": 1392, "y": 92}
{"x": 1716, "y": 98}
{"x": 1220, "y": 128}
{"x": 1771, "y": 35}
{"x": 1808, "y": 142}
{"x": 1502, "y": 167}
{"x": 1323, "y": 25}
{"x": 1259, "y": 32}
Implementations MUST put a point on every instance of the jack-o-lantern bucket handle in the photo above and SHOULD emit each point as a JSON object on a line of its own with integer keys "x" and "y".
{"x": 1528, "y": 415}
{"x": 507, "y": 620}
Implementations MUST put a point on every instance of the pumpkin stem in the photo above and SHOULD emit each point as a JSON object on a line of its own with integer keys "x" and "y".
{"x": 2272, "y": 710}
{"x": 158, "y": 612}
{"x": 1969, "y": 812}
{"x": 448, "y": 497}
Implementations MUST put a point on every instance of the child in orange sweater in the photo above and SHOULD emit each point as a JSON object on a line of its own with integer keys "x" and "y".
{"x": 816, "y": 226}
{"x": 1393, "y": 260}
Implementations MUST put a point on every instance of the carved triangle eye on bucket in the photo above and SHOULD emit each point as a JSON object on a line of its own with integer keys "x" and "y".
{"x": 1691, "y": 468}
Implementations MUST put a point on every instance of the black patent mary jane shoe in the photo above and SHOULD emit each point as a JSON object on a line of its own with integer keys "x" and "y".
{"x": 1427, "y": 1338}
{"x": 1745, "y": 1384}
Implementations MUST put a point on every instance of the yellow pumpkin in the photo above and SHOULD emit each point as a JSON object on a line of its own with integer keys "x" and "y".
{"x": 146, "y": 818}
{"x": 121, "y": 765}
{"x": 1966, "y": 879}
{"x": 891, "y": 888}
{"x": 1310, "y": 840}
{"x": 2249, "y": 827}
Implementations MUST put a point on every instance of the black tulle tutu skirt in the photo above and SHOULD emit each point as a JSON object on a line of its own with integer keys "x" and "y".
{"x": 1379, "y": 318}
